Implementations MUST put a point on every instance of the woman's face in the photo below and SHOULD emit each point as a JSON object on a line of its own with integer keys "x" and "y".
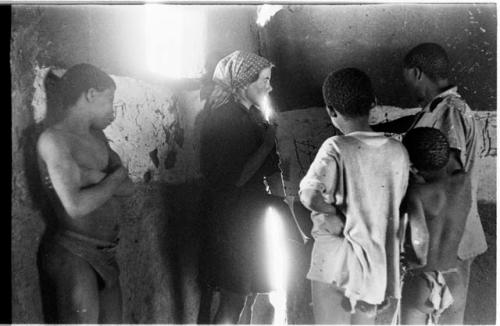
{"x": 258, "y": 90}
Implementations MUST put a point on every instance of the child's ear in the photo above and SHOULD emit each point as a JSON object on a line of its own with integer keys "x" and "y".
{"x": 418, "y": 73}
{"x": 331, "y": 111}
{"x": 90, "y": 95}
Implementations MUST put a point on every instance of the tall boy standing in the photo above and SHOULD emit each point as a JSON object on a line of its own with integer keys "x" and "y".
{"x": 426, "y": 71}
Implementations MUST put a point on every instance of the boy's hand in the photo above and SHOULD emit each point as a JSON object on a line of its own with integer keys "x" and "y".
{"x": 313, "y": 200}
{"x": 120, "y": 173}
{"x": 333, "y": 224}
{"x": 410, "y": 261}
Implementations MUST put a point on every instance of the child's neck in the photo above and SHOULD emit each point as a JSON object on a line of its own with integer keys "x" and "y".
{"x": 354, "y": 125}
{"x": 433, "y": 176}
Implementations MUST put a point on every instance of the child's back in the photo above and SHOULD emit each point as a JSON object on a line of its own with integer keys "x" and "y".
{"x": 438, "y": 202}
{"x": 369, "y": 175}
{"x": 445, "y": 204}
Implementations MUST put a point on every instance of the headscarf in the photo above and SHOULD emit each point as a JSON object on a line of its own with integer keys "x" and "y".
{"x": 234, "y": 71}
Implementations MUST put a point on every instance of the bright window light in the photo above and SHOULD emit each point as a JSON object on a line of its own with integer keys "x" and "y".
{"x": 175, "y": 40}
{"x": 277, "y": 260}
{"x": 266, "y": 12}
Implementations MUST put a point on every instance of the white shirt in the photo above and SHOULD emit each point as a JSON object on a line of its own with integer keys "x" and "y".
{"x": 365, "y": 175}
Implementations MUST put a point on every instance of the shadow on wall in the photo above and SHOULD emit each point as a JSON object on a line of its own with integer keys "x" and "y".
{"x": 179, "y": 242}
{"x": 29, "y": 141}
{"x": 36, "y": 192}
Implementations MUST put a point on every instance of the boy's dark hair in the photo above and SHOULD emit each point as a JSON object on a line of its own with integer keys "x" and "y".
{"x": 79, "y": 79}
{"x": 431, "y": 58}
{"x": 349, "y": 92}
{"x": 428, "y": 148}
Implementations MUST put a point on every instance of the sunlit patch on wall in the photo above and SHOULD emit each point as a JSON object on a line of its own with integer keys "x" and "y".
{"x": 175, "y": 40}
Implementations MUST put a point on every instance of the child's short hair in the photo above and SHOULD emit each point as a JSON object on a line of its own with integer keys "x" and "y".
{"x": 431, "y": 58}
{"x": 428, "y": 148}
{"x": 349, "y": 92}
{"x": 79, "y": 79}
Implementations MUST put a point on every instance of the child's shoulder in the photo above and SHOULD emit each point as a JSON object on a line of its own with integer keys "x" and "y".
{"x": 422, "y": 189}
{"x": 431, "y": 195}
{"x": 331, "y": 144}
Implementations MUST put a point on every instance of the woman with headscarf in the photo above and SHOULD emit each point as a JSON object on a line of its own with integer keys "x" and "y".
{"x": 238, "y": 152}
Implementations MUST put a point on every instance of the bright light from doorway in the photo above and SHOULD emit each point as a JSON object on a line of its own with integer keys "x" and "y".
{"x": 278, "y": 264}
{"x": 175, "y": 40}
{"x": 265, "y": 12}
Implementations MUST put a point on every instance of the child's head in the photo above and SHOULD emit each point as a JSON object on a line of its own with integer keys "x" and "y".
{"x": 348, "y": 92}
{"x": 428, "y": 149}
{"x": 431, "y": 59}
{"x": 91, "y": 91}
{"x": 78, "y": 79}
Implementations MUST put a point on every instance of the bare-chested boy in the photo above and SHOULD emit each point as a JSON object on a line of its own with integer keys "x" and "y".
{"x": 438, "y": 202}
{"x": 82, "y": 177}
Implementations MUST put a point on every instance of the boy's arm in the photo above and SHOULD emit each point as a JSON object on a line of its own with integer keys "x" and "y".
{"x": 454, "y": 164}
{"x": 455, "y": 125}
{"x": 418, "y": 228}
{"x": 126, "y": 188}
{"x": 313, "y": 200}
{"x": 321, "y": 180}
{"x": 397, "y": 126}
{"x": 66, "y": 178}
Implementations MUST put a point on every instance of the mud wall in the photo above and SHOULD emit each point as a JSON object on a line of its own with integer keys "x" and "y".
{"x": 306, "y": 42}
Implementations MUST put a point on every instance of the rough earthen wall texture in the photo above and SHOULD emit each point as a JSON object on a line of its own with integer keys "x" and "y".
{"x": 307, "y": 42}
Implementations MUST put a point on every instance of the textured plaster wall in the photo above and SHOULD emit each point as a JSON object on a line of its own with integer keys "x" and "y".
{"x": 306, "y": 42}
{"x": 26, "y": 221}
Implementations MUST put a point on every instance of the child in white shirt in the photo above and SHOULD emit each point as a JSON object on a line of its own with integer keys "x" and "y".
{"x": 354, "y": 188}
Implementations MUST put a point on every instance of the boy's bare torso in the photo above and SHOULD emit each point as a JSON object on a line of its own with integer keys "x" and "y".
{"x": 94, "y": 159}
